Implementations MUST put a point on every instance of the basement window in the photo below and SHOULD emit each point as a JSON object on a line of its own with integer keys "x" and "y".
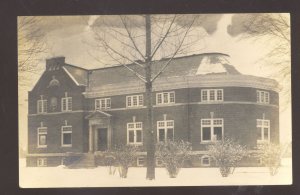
{"x": 42, "y": 162}
{"x": 140, "y": 161}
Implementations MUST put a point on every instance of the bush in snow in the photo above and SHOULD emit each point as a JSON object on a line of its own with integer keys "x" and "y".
{"x": 110, "y": 161}
{"x": 270, "y": 155}
{"x": 123, "y": 157}
{"x": 227, "y": 154}
{"x": 173, "y": 154}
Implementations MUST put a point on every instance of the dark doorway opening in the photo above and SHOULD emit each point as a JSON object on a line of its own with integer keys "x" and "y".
{"x": 102, "y": 139}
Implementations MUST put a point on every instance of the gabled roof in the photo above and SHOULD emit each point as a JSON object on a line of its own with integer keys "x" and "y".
{"x": 79, "y": 75}
{"x": 97, "y": 114}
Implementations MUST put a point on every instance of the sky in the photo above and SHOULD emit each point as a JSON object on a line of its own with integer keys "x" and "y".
{"x": 72, "y": 37}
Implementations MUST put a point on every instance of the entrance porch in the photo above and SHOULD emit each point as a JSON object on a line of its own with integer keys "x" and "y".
{"x": 100, "y": 131}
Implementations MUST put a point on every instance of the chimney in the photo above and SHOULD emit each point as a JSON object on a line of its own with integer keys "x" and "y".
{"x": 54, "y": 63}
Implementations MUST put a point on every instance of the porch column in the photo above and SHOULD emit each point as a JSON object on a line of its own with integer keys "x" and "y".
{"x": 96, "y": 140}
{"x": 109, "y": 136}
{"x": 91, "y": 144}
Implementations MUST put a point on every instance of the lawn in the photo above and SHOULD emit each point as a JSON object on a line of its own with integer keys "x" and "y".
{"x": 31, "y": 177}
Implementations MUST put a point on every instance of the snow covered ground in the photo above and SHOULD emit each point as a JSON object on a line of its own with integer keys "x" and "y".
{"x": 33, "y": 177}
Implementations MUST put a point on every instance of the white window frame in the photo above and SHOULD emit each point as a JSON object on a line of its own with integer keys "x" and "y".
{"x": 135, "y": 128}
{"x": 42, "y": 106}
{"x": 202, "y": 161}
{"x": 41, "y": 133}
{"x": 211, "y": 125}
{"x": 208, "y": 92}
{"x": 165, "y": 100}
{"x": 138, "y": 161}
{"x": 262, "y": 97}
{"x": 139, "y": 100}
{"x": 69, "y": 103}
{"x": 165, "y": 126}
{"x": 261, "y": 124}
{"x": 41, "y": 162}
{"x": 66, "y": 132}
{"x": 100, "y": 106}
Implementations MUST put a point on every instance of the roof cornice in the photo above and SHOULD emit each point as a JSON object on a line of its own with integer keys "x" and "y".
{"x": 198, "y": 81}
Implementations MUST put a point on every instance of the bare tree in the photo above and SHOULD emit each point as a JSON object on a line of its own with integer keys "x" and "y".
{"x": 273, "y": 29}
{"x": 135, "y": 42}
{"x": 31, "y": 44}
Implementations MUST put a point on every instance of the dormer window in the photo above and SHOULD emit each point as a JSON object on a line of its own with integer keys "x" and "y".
{"x": 66, "y": 103}
{"x": 42, "y": 105}
{"x": 211, "y": 95}
{"x": 262, "y": 97}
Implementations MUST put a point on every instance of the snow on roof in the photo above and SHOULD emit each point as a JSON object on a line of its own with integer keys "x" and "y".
{"x": 213, "y": 64}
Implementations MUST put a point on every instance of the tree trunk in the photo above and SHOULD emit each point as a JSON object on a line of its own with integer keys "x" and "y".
{"x": 148, "y": 85}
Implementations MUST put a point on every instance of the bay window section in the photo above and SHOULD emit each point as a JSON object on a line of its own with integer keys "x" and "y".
{"x": 212, "y": 130}
{"x": 212, "y": 95}
{"x": 165, "y": 130}
{"x": 263, "y": 131}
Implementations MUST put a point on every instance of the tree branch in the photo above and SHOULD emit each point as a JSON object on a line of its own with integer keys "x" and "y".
{"x": 131, "y": 38}
{"x": 164, "y": 37}
{"x": 178, "y": 48}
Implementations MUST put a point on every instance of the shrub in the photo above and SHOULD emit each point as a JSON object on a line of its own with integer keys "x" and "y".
{"x": 173, "y": 154}
{"x": 123, "y": 156}
{"x": 270, "y": 155}
{"x": 227, "y": 154}
{"x": 110, "y": 161}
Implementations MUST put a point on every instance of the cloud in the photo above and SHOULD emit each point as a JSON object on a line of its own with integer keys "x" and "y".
{"x": 207, "y": 21}
{"x": 238, "y": 22}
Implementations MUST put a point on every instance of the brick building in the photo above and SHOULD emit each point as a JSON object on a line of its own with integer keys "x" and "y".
{"x": 75, "y": 114}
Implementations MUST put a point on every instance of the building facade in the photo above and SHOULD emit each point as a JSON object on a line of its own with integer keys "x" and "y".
{"x": 75, "y": 114}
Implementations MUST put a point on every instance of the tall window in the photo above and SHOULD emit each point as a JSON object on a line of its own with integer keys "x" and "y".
{"x": 134, "y": 100}
{"x": 263, "y": 97}
{"x": 41, "y": 105}
{"x": 165, "y": 130}
{"x": 165, "y": 98}
{"x": 66, "y": 136}
{"x": 66, "y": 103}
{"x": 263, "y": 130}
{"x": 134, "y": 133}
{"x": 211, "y": 130}
{"x": 42, "y": 137}
{"x": 103, "y": 103}
{"x": 211, "y": 95}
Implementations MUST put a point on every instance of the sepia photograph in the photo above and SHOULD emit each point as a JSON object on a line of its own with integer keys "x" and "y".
{"x": 154, "y": 100}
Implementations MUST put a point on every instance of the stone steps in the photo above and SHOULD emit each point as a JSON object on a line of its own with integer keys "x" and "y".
{"x": 87, "y": 160}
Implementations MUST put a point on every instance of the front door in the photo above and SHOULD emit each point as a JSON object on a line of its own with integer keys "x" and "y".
{"x": 102, "y": 139}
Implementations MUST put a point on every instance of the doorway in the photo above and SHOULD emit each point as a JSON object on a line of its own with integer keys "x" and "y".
{"x": 102, "y": 139}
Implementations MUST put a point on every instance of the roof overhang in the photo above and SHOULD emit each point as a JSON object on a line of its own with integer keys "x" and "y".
{"x": 198, "y": 81}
